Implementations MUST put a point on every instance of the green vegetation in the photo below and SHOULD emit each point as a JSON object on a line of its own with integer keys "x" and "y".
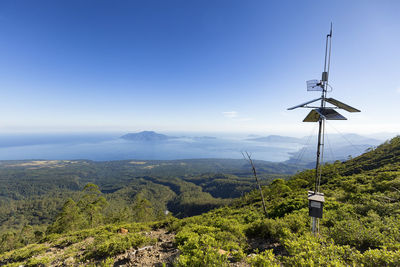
{"x": 360, "y": 227}
{"x": 54, "y": 196}
{"x": 361, "y": 224}
{"x": 85, "y": 214}
{"x": 34, "y": 192}
{"x": 87, "y": 245}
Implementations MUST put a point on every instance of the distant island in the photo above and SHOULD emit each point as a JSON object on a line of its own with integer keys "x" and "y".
{"x": 146, "y": 136}
{"x": 277, "y": 139}
{"x": 204, "y": 138}
{"x": 151, "y": 136}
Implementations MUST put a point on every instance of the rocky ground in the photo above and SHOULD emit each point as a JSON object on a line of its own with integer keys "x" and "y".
{"x": 163, "y": 253}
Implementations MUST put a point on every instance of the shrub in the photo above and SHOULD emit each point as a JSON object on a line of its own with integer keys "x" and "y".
{"x": 201, "y": 251}
{"x": 264, "y": 259}
{"x": 287, "y": 206}
{"x": 310, "y": 251}
{"x": 379, "y": 257}
{"x": 106, "y": 245}
{"x": 269, "y": 229}
{"x": 354, "y": 233}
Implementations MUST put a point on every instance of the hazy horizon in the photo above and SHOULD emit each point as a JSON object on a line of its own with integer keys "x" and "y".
{"x": 117, "y": 133}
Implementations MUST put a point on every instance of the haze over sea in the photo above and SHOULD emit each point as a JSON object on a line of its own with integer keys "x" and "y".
{"x": 106, "y": 146}
{"x": 110, "y": 146}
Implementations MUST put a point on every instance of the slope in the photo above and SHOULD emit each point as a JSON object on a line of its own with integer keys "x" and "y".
{"x": 361, "y": 224}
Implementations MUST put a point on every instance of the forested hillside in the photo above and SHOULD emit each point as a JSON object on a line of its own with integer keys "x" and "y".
{"x": 33, "y": 192}
{"x": 361, "y": 224}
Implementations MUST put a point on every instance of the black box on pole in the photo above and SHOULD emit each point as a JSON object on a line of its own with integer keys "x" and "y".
{"x": 315, "y": 204}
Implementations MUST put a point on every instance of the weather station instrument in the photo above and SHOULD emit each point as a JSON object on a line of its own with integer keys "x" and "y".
{"x": 325, "y": 111}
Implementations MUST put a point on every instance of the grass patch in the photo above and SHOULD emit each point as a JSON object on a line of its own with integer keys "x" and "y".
{"x": 22, "y": 254}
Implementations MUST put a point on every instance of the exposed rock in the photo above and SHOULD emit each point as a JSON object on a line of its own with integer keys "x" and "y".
{"x": 162, "y": 252}
{"x": 123, "y": 231}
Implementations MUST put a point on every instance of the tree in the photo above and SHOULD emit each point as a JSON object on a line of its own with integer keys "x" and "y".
{"x": 86, "y": 213}
{"x": 91, "y": 205}
{"x": 142, "y": 209}
{"x": 69, "y": 219}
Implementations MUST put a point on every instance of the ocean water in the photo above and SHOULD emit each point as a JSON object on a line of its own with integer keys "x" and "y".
{"x": 102, "y": 147}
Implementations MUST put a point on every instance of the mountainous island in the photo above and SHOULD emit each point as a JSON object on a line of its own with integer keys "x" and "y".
{"x": 199, "y": 213}
{"x": 146, "y": 136}
{"x": 151, "y": 136}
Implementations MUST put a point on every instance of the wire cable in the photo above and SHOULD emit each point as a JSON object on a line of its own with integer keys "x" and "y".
{"x": 329, "y": 146}
{"x": 344, "y": 137}
{"x": 304, "y": 149}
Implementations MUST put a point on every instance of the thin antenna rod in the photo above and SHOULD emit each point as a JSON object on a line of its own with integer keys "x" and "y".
{"x": 326, "y": 52}
{"x": 330, "y": 48}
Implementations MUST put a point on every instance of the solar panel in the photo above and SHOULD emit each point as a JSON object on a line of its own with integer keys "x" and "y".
{"x": 341, "y": 105}
{"x": 313, "y": 116}
{"x": 327, "y": 113}
{"x": 314, "y": 85}
{"x": 302, "y": 105}
{"x": 330, "y": 114}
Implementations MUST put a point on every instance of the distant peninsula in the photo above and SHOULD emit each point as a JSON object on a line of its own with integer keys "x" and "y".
{"x": 277, "y": 139}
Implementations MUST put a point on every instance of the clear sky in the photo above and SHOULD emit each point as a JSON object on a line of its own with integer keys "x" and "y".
{"x": 211, "y": 66}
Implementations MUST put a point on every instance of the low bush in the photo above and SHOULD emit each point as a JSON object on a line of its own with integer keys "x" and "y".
{"x": 264, "y": 259}
{"x": 108, "y": 244}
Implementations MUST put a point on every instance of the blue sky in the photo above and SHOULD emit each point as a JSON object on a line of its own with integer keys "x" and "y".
{"x": 203, "y": 66}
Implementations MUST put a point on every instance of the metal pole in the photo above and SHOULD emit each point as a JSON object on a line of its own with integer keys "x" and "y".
{"x": 318, "y": 155}
{"x": 321, "y": 124}
{"x": 314, "y": 225}
{"x": 321, "y": 118}
{"x": 314, "y": 220}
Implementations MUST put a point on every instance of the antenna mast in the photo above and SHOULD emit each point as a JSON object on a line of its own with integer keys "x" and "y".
{"x": 320, "y": 114}
{"x": 321, "y": 128}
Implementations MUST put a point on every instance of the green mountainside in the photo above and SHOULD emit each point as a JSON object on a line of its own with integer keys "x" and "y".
{"x": 33, "y": 192}
{"x": 361, "y": 223}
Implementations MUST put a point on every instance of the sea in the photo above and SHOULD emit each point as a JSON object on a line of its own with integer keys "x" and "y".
{"x": 110, "y": 146}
